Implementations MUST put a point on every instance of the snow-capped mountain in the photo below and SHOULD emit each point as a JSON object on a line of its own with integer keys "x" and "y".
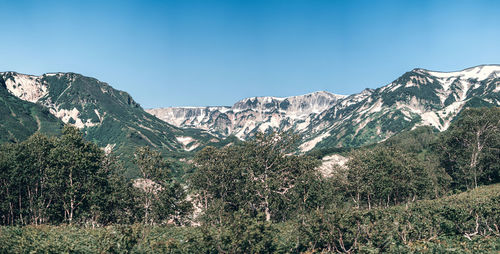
{"x": 418, "y": 97}
{"x": 250, "y": 115}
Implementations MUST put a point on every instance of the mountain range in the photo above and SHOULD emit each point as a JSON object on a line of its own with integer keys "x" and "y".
{"x": 112, "y": 118}
{"x": 418, "y": 98}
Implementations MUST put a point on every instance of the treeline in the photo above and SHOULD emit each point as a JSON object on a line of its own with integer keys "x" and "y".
{"x": 66, "y": 179}
{"x": 244, "y": 198}
{"x": 461, "y": 223}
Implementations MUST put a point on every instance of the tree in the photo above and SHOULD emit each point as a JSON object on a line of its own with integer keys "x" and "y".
{"x": 52, "y": 180}
{"x": 384, "y": 175}
{"x": 113, "y": 200}
{"x": 470, "y": 149}
{"x": 8, "y": 183}
{"x": 36, "y": 166}
{"x": 161, "y": 197}
{"x": 75, "y": 171}
{"x": 259, "y": 176}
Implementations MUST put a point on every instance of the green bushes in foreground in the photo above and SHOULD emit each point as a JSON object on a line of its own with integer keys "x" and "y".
{"x": 463, "y": 223}
{"x": 459, "y": 218}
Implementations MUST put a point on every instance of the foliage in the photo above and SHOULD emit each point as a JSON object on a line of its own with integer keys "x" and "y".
{"x": 160, "y": 196}
{"x": 65, "y": 179}
{"x": 470, "y": 149}
{"x": 442, "y": 225}
{"x": 462, "y": 217}
{"x": 259, "y": 176}
{"x": 385, "y": 176}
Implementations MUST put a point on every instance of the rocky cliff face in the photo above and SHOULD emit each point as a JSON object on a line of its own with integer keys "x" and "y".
{"x": 250, "y": 115}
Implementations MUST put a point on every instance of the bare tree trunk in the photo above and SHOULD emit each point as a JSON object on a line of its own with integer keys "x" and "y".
{"x": 369, "y": 202}
{"x": 71, "y": 197}
{"x": 475, "y": 155}
{"x": 72, "y": 208}
{"x": 268, "y": 214}
{"x": 266, "y": 196}
{"x": 20, "y": 209}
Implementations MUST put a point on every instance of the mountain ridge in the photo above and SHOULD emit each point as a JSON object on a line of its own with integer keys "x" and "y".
{"x": 277, "y": 111}
{"x": 418, "y": 97}
{"x": 111, "y": 117}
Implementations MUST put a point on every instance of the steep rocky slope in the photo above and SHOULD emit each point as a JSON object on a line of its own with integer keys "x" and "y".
{"x": 250, "y": 115}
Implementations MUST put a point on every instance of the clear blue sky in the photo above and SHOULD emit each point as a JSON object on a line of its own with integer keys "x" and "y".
{"x": 210, "y": 52}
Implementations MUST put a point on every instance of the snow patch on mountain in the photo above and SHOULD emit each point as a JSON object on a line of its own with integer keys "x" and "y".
{"x": 185, "y": 140}
{"x": 25, "y": 87}
{"x": 308, "y": 145}
{"x": 67, "y": 115}
{"x": 188, "y": 143}
{"x": 480, "y": 73}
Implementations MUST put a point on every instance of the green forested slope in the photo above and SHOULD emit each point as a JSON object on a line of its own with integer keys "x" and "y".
{"x": 107, "y": 116}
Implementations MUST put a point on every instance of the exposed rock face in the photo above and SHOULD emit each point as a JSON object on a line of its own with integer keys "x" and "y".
{"x": 250, "y": 115}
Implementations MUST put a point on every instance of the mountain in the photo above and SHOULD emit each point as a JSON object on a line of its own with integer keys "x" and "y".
{"x": 109, "y": 117}
{"x": 20, "y": 119}
{"x": 112, "y": 119}
{"x": 250, "y": 115}
{"x": 418, "y": 98}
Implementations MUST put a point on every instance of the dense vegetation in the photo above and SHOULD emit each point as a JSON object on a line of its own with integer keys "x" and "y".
{"x": 65, "y": 179}
{"x": 258, "y": 196}
{"x": 461, "y": 223}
